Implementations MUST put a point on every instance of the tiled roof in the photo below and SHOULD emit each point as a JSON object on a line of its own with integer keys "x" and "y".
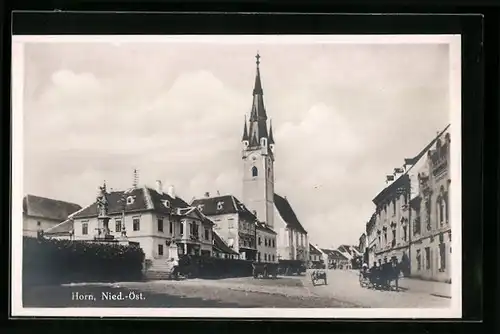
{"x": 221, "y": 246}
{"x": 228, "y": 204}
{"x": 287, "y": 214}
{"x": 48, "y": 208}
{"x": 62, "y": 228}
{"x": 313, "y": 249}
{"x": 334, "y": 254}
{"x": 264, "y": 227}
{"x": 145, "y": 199}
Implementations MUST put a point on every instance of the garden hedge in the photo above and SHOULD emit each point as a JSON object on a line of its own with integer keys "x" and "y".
{"x": 213, "y": 267}
{"x": 51, "y": 261}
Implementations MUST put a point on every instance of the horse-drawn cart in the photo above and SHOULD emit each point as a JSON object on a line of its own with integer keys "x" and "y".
{"x": 380, "y": 278}
{"x": 318, "y": 275}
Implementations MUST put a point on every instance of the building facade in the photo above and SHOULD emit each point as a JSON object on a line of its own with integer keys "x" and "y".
{"x": 315, "y": 255}
{"x": 161, "y": 223}
{"x": 390, "y": 230}
{"x": 41, "y": 213}
{"x": 411, "y": 221}
{"x": 266, "y": 244}
{"x": 234, "y": 223}
{"x": 431, "y": 232}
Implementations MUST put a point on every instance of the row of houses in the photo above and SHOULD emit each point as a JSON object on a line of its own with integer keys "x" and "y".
{"x": 262, "y": 226}
{"x": 411, "y": 220}
{"x": 344, "y": 257}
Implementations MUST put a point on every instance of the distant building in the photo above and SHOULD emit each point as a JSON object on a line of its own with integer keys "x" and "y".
{"x": 222, "y": 250}
{"x": 41, "y": 213}
{"x": 234, "y": 223}
{"x": 336, "y": 259}
{"x": 154, "y": 219}
{"x": 258, "y": 157}
{"x": 363, "y": 247}
{"x": 315, "y": 254}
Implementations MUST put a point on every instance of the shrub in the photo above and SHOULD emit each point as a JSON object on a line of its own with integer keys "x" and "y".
{"x": 51, "y": 261}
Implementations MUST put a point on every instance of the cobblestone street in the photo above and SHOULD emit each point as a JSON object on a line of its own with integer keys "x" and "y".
{"x": 343, "y": 290}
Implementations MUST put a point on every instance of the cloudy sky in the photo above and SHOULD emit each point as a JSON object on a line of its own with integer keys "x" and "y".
{"x": 344, "y": 116}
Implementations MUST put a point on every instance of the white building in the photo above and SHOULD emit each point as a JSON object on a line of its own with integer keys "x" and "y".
{"x": 41, "y": 213}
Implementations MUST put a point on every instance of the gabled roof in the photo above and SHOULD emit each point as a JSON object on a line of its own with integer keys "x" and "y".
{"x": 334, "y": 254}
{"x": 264, "y": 227}
{"x": 228, "y": 204}
{"x": 145, "y": 199}
{"x": 48, "y": 208}
{"x": 221, "y": 246}
{"x": 287, "y": 214}
{"x": 314, "y": 250}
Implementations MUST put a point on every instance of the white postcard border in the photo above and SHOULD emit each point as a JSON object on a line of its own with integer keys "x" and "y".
{"x": 454, "y": 311}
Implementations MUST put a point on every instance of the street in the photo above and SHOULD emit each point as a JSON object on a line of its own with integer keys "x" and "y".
{"x": 343, "y": 290}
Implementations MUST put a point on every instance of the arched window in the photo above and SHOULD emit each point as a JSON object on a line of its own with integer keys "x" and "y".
{"x": 254, "y": 171}
{"x": 446, "y": 206}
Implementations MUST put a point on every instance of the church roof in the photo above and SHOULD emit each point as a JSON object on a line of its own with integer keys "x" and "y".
{"x": 48, "y": 208}
{"x": 287, "y": 214}
{"x": 144, "y": 199}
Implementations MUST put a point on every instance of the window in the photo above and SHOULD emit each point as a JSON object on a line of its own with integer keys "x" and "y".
{"x": 258, "y": 256}
{"x": 200, "y": 207}
{"x": 274, "y": 243}
{"x": 254, "y": 171}
{"x": 446, "y": 206}
{"x": 265, "y": 242}
{"x": 427, "y": 258}
{"x": 130, "y": 200}
{"x": 405, "y": 233}
{"x": 160, "y": 250}
{"x": 160, "y": 224}
{"x": 85, "y": 228}
{"x": 385, "y": 236}
{"x": 118, "y": 225}
{"x": 182, "y": 227}
{"x": 220, "y": 205}
{"x": 39, "y": 223}
{"x": 166, "y": 203}
{"x": 419, "y": 260}
{"x": 441, "y": 210}
{"x": 171, "y": 228}
{"x": 269, "y": 171}
{"x": 265, "y": 257}
{"x": 442, "y": 256}
{"x": 207, "y": 234}
{"x": 260, "y": 241}
{"x": 394, "y": 208}
{"x": 136, "y": 224}
{"x": 273, "y": 257}
{"x": 394, "y": 237}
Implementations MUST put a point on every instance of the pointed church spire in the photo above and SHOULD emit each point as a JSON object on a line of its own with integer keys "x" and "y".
{"x": 258, "y": 85}
{"x": 258, "y": 118}
{"x": 271, "y": 138}
{"x": 245, "y": 131}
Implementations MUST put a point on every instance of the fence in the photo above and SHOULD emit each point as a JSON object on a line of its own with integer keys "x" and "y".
{"x": 52, "y": 261}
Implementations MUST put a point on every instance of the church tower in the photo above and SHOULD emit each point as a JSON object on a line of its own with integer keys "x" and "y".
{"x": 258, "y": 158}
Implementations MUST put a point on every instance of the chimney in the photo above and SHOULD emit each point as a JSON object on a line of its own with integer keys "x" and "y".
{"x": 171, "y": 191}
{"x": 207, "y": 194}
{"x": 159, "y": 187}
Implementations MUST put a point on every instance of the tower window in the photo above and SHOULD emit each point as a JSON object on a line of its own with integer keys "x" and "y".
{"x": 254, "y": 171}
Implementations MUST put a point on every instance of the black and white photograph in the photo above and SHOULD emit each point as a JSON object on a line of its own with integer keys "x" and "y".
{"x": 237, "y": 176}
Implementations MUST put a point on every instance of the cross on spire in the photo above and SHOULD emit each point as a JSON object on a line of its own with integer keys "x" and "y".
{"x": 258, "y": 58}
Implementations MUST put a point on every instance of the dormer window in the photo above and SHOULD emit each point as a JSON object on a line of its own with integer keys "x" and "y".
{"x": 200, "y": 207}
{"x": 130, "y": 200}
{"x": 219, "y": 205}
{"x": 166, "y": 203}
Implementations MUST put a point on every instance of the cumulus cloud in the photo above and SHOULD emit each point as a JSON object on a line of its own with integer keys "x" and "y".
{"x": 342, "y": 119}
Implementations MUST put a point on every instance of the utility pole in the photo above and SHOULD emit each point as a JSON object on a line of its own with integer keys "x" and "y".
{"x": 410, "y": 230}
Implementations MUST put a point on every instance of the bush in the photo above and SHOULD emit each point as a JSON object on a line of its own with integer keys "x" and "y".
{"x": 212, "y": 267}
{"x": 51, "y": 261}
